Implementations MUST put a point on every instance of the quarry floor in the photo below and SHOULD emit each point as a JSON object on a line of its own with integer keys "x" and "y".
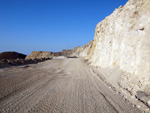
{"x": 58, "y": 86}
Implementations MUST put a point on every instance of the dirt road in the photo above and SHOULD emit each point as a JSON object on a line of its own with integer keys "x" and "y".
{"x": 57, "y": 86}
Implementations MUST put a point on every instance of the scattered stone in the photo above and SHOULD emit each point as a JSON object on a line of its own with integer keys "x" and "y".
{"x": 16, "y": 62}
{"x": 148, "y": 102}
{"x": 147, "y": 109}
{"x": 138, "y": 106}
{"x": 134, "y": 105}
{"x": 143, "y": 96}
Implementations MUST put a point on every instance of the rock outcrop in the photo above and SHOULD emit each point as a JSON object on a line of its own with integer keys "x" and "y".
{"x": 12, "y": 55}
{"x": 123, "y": 40}
{"x": 17, "y": 62}
{"x": 67, "y": 52}
{"x": 83, "y": 51}
{"x": 40, "y": 55}
{"x": 16, "y": 59}
{"x": 46, "y": 54}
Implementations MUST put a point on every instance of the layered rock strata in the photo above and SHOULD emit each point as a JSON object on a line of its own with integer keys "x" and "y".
{"x": 40, "y": 55}
{"x": 123, "y": 40}
{"x": 83, "y": 51}
{"x": 46, "y": 54}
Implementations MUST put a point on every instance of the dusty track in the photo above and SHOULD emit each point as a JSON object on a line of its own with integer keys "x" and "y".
{"x": 57, "y": 86}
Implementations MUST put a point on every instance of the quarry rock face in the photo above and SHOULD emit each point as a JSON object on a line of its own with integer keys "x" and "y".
{"x": 123, "y": 40}
{"x": 40, "y": 55}
{"x": 15, "y": 59}
{"x": 46, "y": 54}
{"x": 83, "y": 51}
{"x": 66, "y": 52}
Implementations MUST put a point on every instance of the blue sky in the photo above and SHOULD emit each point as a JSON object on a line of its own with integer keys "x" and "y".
{"x": 50, "y": 25}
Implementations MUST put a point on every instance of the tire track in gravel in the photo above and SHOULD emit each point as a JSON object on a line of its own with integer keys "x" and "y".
{"x": 58, "y": 86}
{"x": 19, "y": 84}
{"x": 28, "y": 94}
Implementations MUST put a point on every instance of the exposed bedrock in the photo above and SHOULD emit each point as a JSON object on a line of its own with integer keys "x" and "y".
{"x": 11, "y": 55}
{"x": 47, "y": 54}
{"x": 123, "y": 40}
{"x": 40, "y": 54}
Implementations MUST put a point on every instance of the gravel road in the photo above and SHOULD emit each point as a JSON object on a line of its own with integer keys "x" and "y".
{"x": 58, "y": 86}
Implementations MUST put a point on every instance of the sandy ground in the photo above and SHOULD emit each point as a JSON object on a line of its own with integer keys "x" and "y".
{"x": 58, "y": 86}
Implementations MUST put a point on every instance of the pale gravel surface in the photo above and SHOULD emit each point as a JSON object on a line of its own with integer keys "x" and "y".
{"x": 58, "y": 86}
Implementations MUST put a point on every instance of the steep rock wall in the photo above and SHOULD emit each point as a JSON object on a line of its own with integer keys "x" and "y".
{"x": 83, "y": 51}
{"x": 123, "y": 40}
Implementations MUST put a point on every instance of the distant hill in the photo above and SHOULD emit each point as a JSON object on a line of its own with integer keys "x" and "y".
{"x": 12, "y": 55}
{"x": 47, "y": 54}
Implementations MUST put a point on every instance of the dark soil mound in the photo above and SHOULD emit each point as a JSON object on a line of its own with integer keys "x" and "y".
{"x": 12, "y": 55}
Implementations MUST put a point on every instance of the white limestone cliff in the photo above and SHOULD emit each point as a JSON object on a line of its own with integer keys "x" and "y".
{"x": 123, "y": 40}
{"x": 83, "y": 51}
